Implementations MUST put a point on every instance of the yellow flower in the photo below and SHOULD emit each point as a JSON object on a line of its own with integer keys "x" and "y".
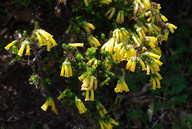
{"x": 142, "y": 64}
{"x": 109, "y": 45}
{"x": 45, "y": 38}
{"x": 76, "y": 44}
{"x": 101, "y": 123}
{"x": 101, "y": 109}
{"x": 22, "y": 48}
{"x": 136, "y": 39}
{"x": 62, "y": 94}
{"x": 125, "y": 33}
{"x": 80, "y": 106}
{"x": 164, "y": 18}
{"x": 111, "y": 11}
{"x": 27, "y": 49}
{"x": 66, "y": 69}
{"x": 141, "y": 33}
{"x": 114, "y": 122}
{"x": 49, "y": 102}
{"x": 90, "y": 82}
{"x": 121, "y": 86}
{"x": 118, "y": 19}
{"x": 91, "y": 61}
{"x": 152, "y": 41}
{"x": 147, "y": 4}
{"x": 106, "y": 1}
{"x": 152, "y": 55}
{"x": 86, "y": 2}
{"x": 156, "y": 83}
{"x": 93, "y": 41}
{"x": 11, "y": 44}
{"x": 171, "y": 27}
{"x": 166, "y": 34}
{"x": 158, "y": 75}
{"x": 88, "y": 97}
{"x": 87, "y": 26}
{"x": 131, "y": 64}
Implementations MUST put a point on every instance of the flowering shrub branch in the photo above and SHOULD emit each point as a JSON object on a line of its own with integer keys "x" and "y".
{"x": 133, "y": 45}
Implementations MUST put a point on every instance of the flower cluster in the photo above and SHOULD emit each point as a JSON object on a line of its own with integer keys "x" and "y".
{"x": 66, "y": 69}
{"x": 45, "y": 38}
{"x": 107, "y": 124}
{"x": 49, "y": 102}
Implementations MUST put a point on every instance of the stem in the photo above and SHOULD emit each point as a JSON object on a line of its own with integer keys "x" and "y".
{"x": 121, "y": 97}
{"x": 116, "y": 98}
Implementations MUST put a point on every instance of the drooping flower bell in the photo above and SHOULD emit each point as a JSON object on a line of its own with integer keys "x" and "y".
{"x": 87, "y": 26}
{"x": 101, "y": 109}
{"x": 22, "y": 48}
{"x": 93, "y": 41}
{"x": 131, "y": 64}
{"x": 121, "y": 86}
{"x": 66, "y": 69}
{"x": 49, "y": 102}
{"x": 45, "y": 38}
{"x": 80, "y": 106}
{"x": 110, "y": 12}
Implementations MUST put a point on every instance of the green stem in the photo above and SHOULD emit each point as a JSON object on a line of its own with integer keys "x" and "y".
{"x": 121, "y": 97}
{"x": 116, "y": 98}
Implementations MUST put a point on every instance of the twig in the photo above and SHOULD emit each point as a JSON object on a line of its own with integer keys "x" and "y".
{"x": 36, "y": 56}
{"x": 159, "y": 119}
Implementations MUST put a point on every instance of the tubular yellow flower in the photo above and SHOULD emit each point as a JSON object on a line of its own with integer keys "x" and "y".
{"x": 141, "y": 33}
{"x": 89, "y": 83}
{"x": 158, "y": 75}
{"x": 122, "y": 17}
{"x": 150, "y": 54}
{"x": 86, "y": 2}
{"x": 118, "y": 19}
{"x": 147, "y": 4}
{"x": 166, "y": 34}
{"x": 142, "y": 64}
{"x": 93, "y": 41}
{"x": 45, "y": 38}
{"x": 121, "y": 86}
{"x": 88, "y": 97}
{"x": 66, "y": 69}
{"x": 22, "y": 48}
{"x": 27, "y": 49}
{"x": 101, "y": 109}
{"x": 164, "y": 18}
{"x": 155, "y": 83}
{"x": 49, "y": 102}
{"x": 91, "y": 61}
{"x": 109, "y": 45}
{"x": 87, "y": 26}
{"x": 11, "y": 44}
{"x": 131, "y": 64}
{"x": 62, "y": 94}
{"x": 136, "y": 39}
{"x": 106, "y": 1}
{"x": 114, "y": 122}
{"x": 76, "y": 44}
{"x": 101, "y": 123}
{"x": 80, "y": 106}
{"x": 111, "y": 11}
{"x": 156, "y": 50}
{"x": 171, "y": 27}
